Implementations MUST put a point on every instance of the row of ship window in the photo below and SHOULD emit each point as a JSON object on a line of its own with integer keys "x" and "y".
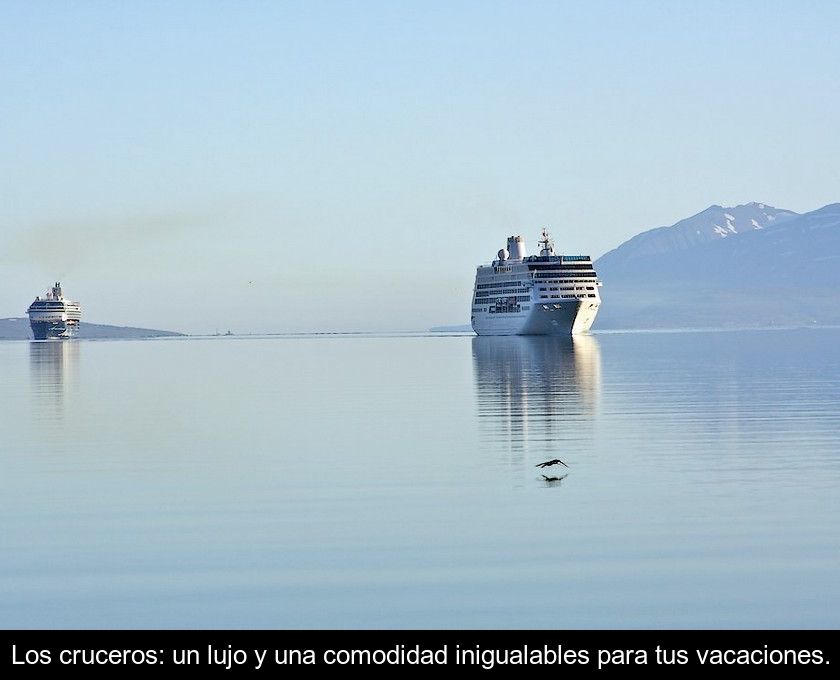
{"x": 519, "y": 282}
{"x": 549, "y": 275}
{"x": 542, "y": 297}
{"x": 501, "y": 291}
{"x": 504, "y": 291}
{"x": 578, "y": 281}
{"x": 484, "y": 300}
{"x": 498, "y": 284}
{"x": 553, "y": 265}
{"x": 565, "y": 272}
{"x": 488, "y": 297}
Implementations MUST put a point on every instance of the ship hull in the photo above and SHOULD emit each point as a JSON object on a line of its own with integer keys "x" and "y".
{"x": 53, "y": 330}
{"x": 569, "y": 317}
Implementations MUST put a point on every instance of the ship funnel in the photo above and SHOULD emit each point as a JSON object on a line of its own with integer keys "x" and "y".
{"x": 516, "y": 247}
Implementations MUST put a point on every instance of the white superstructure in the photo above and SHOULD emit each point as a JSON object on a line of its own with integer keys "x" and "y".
{"x": 545, "y": 294}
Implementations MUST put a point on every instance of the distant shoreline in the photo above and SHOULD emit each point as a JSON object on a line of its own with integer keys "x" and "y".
{"x": 17, "y": 328}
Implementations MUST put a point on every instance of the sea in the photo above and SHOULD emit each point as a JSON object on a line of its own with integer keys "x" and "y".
{"x": 392, "y": 481}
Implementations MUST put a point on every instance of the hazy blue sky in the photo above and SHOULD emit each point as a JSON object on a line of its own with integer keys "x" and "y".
{"x": 274, "y": 166}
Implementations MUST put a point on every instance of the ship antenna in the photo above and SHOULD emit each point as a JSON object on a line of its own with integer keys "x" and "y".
{"x": 545, "y": 242}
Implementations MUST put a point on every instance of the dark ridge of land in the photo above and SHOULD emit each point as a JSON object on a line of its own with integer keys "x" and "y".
{"x": 18, "y": 329}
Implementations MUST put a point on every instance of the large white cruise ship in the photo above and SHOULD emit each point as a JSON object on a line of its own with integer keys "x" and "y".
{"x": 543, "y": 294}
{"x": 54, "y": 316}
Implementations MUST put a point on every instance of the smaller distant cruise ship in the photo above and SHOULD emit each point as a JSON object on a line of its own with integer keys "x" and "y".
{"x": 54, "y": 316}
{"x": 543, "y": 294}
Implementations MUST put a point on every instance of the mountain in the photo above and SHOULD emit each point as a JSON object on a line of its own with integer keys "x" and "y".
{"x": 751, "y": 265}
{"x": 18, "y": 329}
{"x": 714, "y": 224}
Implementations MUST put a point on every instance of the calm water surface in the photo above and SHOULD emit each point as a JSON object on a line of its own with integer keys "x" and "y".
{"x": 391, "y": 481}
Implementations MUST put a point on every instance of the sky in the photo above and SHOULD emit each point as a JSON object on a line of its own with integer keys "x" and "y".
{"x": 344, "y": 166}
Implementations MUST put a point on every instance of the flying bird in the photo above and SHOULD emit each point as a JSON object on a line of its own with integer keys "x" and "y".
{"x": 549, "y": 463}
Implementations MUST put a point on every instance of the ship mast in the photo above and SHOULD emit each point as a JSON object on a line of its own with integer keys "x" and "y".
{"x": 545, "y": 242}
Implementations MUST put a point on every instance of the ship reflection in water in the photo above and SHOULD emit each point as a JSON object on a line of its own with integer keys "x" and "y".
{"x": 52, "y": 372}
{"x": 537, "y": 396}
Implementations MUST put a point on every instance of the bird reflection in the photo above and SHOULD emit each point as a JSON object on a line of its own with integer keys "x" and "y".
{"x": 537, "y": 395}
{"x": 52, "y": 370}
{"x": 553, "y": 481}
